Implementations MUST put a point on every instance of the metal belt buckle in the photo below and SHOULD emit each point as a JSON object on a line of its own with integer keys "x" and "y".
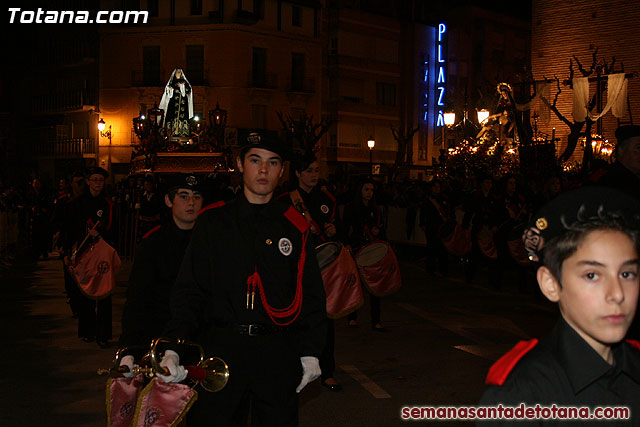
{"x": 251, "y": 333}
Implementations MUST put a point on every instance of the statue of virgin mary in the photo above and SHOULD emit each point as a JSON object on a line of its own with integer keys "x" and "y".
{"x": 177, "y": 103}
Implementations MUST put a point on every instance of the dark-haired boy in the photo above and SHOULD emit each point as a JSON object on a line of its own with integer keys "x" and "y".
{"x": 156, "y": 266}
{"x": 251, "y": 284}
{"x": 587, "y": 243}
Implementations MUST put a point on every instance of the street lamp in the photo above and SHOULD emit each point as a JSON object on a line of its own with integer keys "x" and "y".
{"x": 105, "y": 134}
{"x": 218, "y": 121}
{"x": 101, "y": 127}
{"x": 449, "y": 118}
{"x": 483, "y": 115}
{"x": 371, "y": 143}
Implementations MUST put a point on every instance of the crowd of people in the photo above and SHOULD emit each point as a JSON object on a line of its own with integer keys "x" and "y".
{"x": 229, "y": 263}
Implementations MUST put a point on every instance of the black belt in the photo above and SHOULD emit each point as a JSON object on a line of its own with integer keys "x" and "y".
{"x": 255, "y": 329}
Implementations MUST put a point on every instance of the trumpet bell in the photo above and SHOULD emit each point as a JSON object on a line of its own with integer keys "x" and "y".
{"x": 217, "y": 374}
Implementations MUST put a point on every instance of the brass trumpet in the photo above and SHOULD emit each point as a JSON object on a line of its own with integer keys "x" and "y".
{"x": 212, "y": 374}
{"x": 141, "y": 368}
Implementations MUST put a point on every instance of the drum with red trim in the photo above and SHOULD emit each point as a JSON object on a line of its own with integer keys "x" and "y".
{"x": 340, "y": 278}
{"x": 379, "y": 269}
{"x": 458, "y": 241}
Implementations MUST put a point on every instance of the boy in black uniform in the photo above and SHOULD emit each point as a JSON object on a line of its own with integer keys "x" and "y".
{"x": 92, "y": 214}
{"x": 154, "y": 271}
{"x": 587, "y": 243}
{"x": 250, "y": 283}
{"x": 318, "y": 206}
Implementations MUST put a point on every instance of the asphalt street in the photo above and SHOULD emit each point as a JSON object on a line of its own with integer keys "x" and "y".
{"x": 441, "y": 337}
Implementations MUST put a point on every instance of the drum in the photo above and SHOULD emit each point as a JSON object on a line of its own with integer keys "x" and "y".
{"x": 516, "y": 245}
{"x": 458, "y": 242}
{"x": 379, "y": 268}
{"x": 340, "y": 278}
{"x": 95, "y": 270}
{"x": 486, "y": 244}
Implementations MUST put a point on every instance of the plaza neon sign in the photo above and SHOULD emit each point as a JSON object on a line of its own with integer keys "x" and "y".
{"x": 441, "y": 67}
{"x": 425, "y": 105}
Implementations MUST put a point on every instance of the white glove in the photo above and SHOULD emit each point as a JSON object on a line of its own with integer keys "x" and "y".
{"x": 171, "y": 361}
{"x": 310, "y": 371}
{"x": 128, "y": 362}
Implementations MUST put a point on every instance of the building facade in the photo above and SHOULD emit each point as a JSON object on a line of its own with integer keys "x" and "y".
{"x": 254, "y": 59}
{"x": 564, "y": 30}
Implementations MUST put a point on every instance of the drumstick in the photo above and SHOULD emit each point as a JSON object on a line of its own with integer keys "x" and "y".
{"x": 73, "y": 255}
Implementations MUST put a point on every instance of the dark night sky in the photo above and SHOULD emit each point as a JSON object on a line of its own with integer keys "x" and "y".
{"x": 516, "y": 8}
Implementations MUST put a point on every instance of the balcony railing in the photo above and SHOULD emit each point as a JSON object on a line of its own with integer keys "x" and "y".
{"x": 65, "y": 148}
{"x": 263, "y": 80}
{"x": 148, "y": 79}
{"x": 62, "y": 101}
{"x": 245, "y": 17}
{"x": 140, "y": 79}
{"x": 302, "y": 85}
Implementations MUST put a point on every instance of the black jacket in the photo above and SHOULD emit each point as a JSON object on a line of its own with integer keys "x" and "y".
{"x": 563, "y": 369}
{"x": 322, "y": 208}
{"x": 229, "y": 244}
{"x": 82, "y": 214}
{"x": 623, "y": 179}
{"x": 358, "y": 222}
{"x": 154, "y": 271}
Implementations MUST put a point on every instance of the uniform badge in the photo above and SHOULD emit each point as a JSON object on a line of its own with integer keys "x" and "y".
{"x": 99, "y": 213}
{"x": 324, "y": 209}
{"x": 103, "y": 267}
{"x": 285, "y": 246}
{"x": 191, "y": 180}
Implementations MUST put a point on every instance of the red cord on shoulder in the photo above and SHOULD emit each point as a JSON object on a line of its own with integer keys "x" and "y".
{"x": 500, "y": 370}
{"x": 218, "y": 204}
{"x": 153, "y": 230}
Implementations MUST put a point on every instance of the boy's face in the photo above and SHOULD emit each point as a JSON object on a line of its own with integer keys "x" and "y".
{"x": 367, "y": 192}
{"x": 599, "y": 290}
{"x": 261, "y": 169}
{"x": 96, "y": 183}
{"x": 309, "y": 177}
{"x": 185, "y": 207}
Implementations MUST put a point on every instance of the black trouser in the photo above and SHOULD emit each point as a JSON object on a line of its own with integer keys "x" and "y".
{"x": 94, "y": 318}
{"x": 72, "y": 290}
{"x": 374, "y": 301}
{"x": 437, "y": 255}
{"x": 264, "y": 372}
{"x": 327, "y": 359}
{"x": 477, "y": 257}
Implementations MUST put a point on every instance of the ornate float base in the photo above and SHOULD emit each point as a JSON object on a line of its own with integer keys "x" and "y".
{"x": 180, "y": 162}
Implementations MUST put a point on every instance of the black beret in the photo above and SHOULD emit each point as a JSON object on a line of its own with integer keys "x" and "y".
{"x": 185, "y": 180}
{"x": 581, "y": 205}
{"x": 267, "y": 141}
{"x": 626, "y": 132}
{"x": 96, "y": 170}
